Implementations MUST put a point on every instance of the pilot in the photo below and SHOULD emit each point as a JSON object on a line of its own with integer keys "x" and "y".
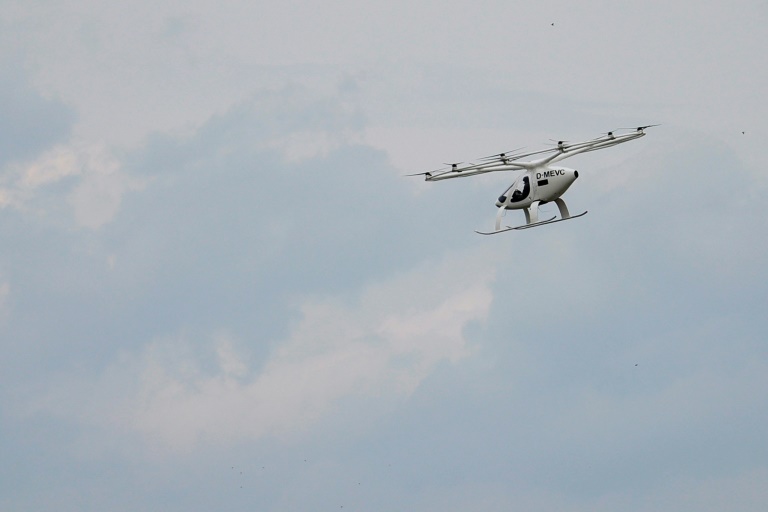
{"x": 521, "y": 191}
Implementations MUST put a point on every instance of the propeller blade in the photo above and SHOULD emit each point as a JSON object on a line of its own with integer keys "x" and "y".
{"x": 428, "y": 173}
{"x": 641, "y": 128}
{"x": 561, "y": 144}
{"x": 611, "y": 134}
{"x": 502, "y": 156}
{"x": 455, "y": 166}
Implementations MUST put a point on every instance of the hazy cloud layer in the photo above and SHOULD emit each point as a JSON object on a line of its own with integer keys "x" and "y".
{"x": 30, "y": 123}
{"x": 217, "y": 290}
{"x": 384, "y": 346}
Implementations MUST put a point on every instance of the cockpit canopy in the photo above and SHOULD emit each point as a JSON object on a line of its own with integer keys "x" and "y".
{"x": 519, "y": 190}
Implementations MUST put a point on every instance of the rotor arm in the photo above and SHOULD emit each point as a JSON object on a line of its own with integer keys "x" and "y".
{"x": 565, "y": 150}
{"x": 472, "y": 170}
{"x": 511, "y": 161}
{"x": 593, "y": 145}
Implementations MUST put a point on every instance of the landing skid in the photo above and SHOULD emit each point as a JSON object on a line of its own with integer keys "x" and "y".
{"x": 532, "y": 225}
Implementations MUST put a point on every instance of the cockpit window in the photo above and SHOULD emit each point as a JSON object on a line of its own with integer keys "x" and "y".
{"x": 520, "y": 189}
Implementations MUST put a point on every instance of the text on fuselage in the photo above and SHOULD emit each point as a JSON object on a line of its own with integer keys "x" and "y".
{"x": 550, "y": 174}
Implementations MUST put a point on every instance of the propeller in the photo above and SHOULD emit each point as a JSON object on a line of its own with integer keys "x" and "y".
{"x": 641, "y": 128}
{"x": 429, "y": 173}
{"x": 561, "y": 144}
{"x": 454, "y": 168}
{"x": 503, "y": 156}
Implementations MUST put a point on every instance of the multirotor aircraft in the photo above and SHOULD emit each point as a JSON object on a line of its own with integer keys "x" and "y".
{"x": 541, "y": 182}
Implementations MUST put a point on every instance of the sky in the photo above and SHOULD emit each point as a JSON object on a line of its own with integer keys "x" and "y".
{"x": 218, "y": 291}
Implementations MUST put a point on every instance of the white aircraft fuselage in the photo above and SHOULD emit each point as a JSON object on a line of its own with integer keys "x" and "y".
{"x": 543, "y": 184}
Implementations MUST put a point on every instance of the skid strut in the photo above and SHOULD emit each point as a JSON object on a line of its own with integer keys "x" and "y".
{"x": 532, "y": 218}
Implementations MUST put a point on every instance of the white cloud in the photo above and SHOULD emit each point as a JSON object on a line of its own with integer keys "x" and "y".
{"x": 96, "y": 197}
{"x": 305, "y": 145}
{"x": 24, "y": 179}
{"x": 230, "y": 362}
{"x": 52, "y": 166}
{"x": 420, "y": 97}
{"x": 384, "y": 344}
{"x": 96, "y": 200}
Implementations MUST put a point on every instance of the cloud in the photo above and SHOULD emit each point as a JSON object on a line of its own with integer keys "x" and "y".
{"x": 228, "y": 230}
{"x": 5, "y": 293}
{"x": 91, "y": 173}
{"x": 268, "y": 280}
{"x": 747, "y": 491}
{"x": 742, "y": 491}
{"x": 29, "y": 122}
{"x": 223, "y": 229}
{"x": 383, "y": 344}
{"x": 375, "y": 349}
{"x": 97, "y": 198}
